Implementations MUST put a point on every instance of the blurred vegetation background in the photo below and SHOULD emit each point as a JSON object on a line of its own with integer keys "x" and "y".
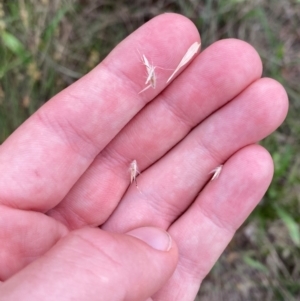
{"x": 47, "y": 45}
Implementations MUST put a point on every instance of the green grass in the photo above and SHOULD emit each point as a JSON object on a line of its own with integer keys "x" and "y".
{"x": 47, "y": 45}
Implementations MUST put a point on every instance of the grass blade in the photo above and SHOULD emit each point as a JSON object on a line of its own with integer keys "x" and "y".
{"x": 291, "y": 225}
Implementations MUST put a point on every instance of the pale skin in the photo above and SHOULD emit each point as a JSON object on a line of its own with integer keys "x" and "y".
{"x": 64, "y": 172}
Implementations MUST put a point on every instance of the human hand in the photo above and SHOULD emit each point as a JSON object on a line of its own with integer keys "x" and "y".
{"x": 65, "y": 172}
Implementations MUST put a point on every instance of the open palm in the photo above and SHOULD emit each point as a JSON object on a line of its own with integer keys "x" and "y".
{"x": 64, "y": 172}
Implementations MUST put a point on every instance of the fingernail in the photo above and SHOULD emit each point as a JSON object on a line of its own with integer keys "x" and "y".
{"x": 156, "y": 238}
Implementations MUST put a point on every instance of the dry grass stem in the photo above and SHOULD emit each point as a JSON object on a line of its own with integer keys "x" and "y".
{"x": 186, "y": 58}
{"x": 134, "y": 172}
{"x": 151, "y": 76}
{"x": 216, "y": 172}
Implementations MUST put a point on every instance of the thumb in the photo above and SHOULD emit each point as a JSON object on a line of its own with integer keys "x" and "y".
{"x": 91, "y": 264}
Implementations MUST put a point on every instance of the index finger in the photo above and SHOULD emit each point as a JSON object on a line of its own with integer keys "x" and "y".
{"x": 43, "y": 159}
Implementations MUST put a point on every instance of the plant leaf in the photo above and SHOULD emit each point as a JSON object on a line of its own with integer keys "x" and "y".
{"x": 291, "y": 225}
{"x": 13, "y": 44}
{"x": 255, "y": 264}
